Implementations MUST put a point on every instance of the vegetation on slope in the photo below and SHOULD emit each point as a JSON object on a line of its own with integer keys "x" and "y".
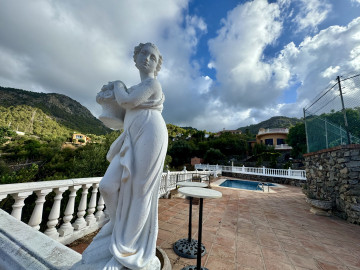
{"x": 64, "y": 110}
{"x": 32, "y": 120}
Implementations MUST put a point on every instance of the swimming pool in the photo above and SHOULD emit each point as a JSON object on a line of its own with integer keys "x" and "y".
{"x": 243, "y": 184}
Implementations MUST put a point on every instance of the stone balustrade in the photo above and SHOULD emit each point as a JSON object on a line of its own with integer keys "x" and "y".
{"x": 89, "y": 214}
{"x": 66, "y": 232}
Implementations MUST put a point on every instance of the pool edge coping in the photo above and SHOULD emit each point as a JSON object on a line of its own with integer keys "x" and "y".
{"x": 218, "y": 182}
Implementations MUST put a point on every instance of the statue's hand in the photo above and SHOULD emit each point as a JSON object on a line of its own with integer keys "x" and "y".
{"x": 118, "y": 84}
{"x": 105, "y": 87}
{"x": 105, "y": 95}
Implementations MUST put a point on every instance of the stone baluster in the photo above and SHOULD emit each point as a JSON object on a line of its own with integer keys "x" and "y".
{"x": 66, "y": 228}
{"x": 36, "y": 216}
{"x": 80, "y": 221}
{"x": 90, "y": 218}
{"x": 100, "y": 215}
{"x": 55, "y": 214}
{"x": 19, "y": 203}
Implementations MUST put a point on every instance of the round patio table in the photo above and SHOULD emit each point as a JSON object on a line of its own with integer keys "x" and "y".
{"x": 187, "y": 247}
{"x": 201, "y": 193}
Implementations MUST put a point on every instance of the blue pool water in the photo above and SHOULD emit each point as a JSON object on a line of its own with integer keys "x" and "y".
{"x": 242, "y": 184}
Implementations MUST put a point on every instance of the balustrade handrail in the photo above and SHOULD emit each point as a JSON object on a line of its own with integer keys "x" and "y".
{"x": 34, "y": 186}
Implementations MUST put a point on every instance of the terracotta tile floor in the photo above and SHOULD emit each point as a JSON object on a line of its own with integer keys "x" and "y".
{"x": 255, "y": 230}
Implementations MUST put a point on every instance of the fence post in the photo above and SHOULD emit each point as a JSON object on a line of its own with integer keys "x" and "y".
{"x": 344, "y": 111}
{"x": 341, "y": 142}
{"x": 306, "y": 134}
{"x": 243, "y": 168}
{"x": 263, "y": 169}
{"x": 326, "y": 135}
{"x": 167, "y": 179}
{"x": 289, "y": 171}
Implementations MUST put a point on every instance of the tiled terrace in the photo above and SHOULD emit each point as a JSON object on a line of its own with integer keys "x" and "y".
{"x": 255, "y": 230}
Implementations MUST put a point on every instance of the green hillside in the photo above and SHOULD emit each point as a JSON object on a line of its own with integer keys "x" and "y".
{"x": 41, "y": 107}
{"x": 273, "y": 122}
{"x": 32, "y": 121}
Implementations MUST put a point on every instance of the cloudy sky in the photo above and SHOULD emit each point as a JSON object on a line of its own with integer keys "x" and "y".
{"x": 226, "y": 63}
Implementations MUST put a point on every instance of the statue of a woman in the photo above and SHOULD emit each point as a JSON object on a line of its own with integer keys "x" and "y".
{"x": 131, "y": 183}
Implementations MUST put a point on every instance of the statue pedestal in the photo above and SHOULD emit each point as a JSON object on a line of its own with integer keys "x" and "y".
{"x": 163, "y": 258}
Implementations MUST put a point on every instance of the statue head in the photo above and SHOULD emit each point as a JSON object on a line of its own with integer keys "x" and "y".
{"x": 138, "y": 49}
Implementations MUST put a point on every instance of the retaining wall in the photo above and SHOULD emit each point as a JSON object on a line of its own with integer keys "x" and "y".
{"x": 333, "y": 175}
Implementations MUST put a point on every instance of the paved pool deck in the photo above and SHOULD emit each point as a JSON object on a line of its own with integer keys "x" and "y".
{"x": 256, "y": 230}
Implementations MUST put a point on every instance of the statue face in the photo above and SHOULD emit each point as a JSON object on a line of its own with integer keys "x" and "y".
{"x": 147, "y": 59}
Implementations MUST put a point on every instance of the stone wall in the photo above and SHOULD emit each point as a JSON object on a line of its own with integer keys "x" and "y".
{"x": 333, "y": 175}
{"x": 262, "y": 178}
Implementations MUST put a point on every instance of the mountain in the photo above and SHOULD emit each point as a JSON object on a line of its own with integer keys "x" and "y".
{"x": 61, "y": 109}
{"x": 273, "y": 122}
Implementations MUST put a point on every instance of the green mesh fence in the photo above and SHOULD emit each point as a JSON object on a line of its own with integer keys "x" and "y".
{"x": 333, "y": 118}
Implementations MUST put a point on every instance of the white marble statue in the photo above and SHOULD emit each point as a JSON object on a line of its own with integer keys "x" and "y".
{"x": 131, "y": 183}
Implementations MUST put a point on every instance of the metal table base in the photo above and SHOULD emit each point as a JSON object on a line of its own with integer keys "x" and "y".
{"x": 188, "y": 247}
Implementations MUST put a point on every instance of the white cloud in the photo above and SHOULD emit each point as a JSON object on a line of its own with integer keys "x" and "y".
{"x": 211, "y": 65}
{"x": 312, "y": 13}
{"x": 330, "y": 72}
{"x": 243, "y": 75}
{"x": 249, "y": 83}
{"x": 72, "y": 48}
{"x": 334, "y": 51}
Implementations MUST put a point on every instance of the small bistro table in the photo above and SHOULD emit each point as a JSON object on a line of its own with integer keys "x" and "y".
{"x": 187, "y": 247}
{"x": 201, "y": 193}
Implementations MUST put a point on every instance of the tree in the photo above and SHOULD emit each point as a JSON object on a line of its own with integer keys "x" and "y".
{"x": 230, "y": 144}
{"x": 181, "y": 152}
{"x": 259, "y": 148}
{"x": 297, "y": 140}
{"x": 5, "y": 132}
{"x": 214, "y": 156}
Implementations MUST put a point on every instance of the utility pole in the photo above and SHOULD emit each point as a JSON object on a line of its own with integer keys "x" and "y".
{"x": 344, "y": 111}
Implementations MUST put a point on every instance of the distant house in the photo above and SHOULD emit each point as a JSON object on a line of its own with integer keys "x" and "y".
{"x": 80, "y": 139}
{"x": 227, "y": 131}
{"x": 273, "y": 136}
{"x": 196, "y": 160}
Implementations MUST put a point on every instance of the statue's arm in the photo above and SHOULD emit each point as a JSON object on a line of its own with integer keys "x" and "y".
{"x": 137, "y": 94}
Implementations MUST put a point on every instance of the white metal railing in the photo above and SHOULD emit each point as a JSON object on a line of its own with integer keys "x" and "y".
{"x": 285, "y": 173}
{"x": 90, "y": 213}
{"x": 169, "y": 179}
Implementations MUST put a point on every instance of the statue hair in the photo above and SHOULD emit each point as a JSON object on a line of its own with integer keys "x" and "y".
{"x": 137, "y": 50}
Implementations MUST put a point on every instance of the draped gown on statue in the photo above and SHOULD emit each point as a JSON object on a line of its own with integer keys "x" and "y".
{"x": 130, "y": 185}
